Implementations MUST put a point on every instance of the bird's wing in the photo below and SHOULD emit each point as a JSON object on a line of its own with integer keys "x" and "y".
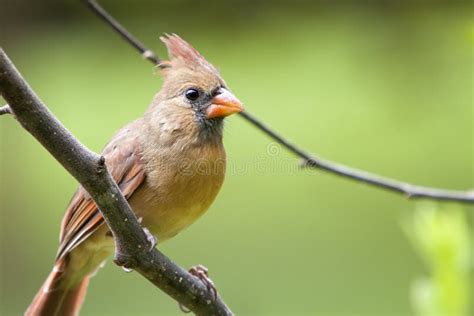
{"x": 82, "y": 218}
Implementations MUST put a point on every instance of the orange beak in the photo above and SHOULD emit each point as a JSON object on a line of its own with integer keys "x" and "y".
{"x": 224, "y": 104}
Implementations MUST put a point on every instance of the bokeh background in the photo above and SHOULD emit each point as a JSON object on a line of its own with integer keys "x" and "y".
{"x": 386, "y": 87}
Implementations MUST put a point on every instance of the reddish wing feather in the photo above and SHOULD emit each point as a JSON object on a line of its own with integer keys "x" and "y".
{"x": 82, "y": 218}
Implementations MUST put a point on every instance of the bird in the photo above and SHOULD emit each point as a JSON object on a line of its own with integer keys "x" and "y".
{"x": 169, "y": 164}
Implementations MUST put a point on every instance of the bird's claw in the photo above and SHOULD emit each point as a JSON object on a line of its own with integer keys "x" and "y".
{"x": 151, "y": 238}
{"x": 202, "y": 273}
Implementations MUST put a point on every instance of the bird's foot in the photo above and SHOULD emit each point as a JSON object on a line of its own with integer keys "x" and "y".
{"x": 202, "y": 273}
{"x": 151, "y": 238}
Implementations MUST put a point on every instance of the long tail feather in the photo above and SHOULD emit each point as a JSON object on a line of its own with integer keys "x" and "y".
{"x": 56, "y": 298}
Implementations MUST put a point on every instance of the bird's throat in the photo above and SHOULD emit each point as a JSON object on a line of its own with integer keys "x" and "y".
{"x": 210, "y": 129}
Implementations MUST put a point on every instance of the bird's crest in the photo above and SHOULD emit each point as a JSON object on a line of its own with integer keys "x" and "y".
{"x": 181, "y": 53}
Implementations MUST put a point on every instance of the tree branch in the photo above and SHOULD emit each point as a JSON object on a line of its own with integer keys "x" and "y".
{"x": 309, "y": 161}
{"x": 409, "y": 190}
{"x": 132, "y": 246}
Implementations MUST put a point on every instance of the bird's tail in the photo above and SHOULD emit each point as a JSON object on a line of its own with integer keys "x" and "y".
{"x": 59, "y": 295}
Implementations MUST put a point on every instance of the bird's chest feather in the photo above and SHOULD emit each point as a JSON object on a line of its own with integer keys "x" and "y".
{"x": 179, "y": 187}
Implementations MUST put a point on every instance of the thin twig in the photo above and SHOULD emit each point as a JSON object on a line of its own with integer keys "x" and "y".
{"x": 409, "y": 190}
{"x": 131, "y": 242}
{"x": 101, "y": 13}
{"x": 5, "y": 109}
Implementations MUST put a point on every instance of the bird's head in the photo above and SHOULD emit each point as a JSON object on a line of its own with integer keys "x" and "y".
{"x": 193, "y": 88}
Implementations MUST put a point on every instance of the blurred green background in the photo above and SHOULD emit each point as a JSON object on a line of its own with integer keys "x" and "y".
{"x": 386, "y": 87}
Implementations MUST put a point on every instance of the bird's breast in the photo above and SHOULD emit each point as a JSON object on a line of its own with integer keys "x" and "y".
{"x": 179, "y": 187}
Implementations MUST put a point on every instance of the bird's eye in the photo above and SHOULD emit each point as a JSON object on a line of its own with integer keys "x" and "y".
{"x": 192, "y": 94}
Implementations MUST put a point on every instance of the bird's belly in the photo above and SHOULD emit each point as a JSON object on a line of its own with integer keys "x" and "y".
{"x": 171, "y": 207}
{"x": 166, "y": 223}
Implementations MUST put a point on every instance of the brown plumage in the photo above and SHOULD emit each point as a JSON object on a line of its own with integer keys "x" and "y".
{"x": 169, "y": 164}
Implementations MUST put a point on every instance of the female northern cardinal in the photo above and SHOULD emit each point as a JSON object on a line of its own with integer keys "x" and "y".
{"x": 169, "y": 164}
